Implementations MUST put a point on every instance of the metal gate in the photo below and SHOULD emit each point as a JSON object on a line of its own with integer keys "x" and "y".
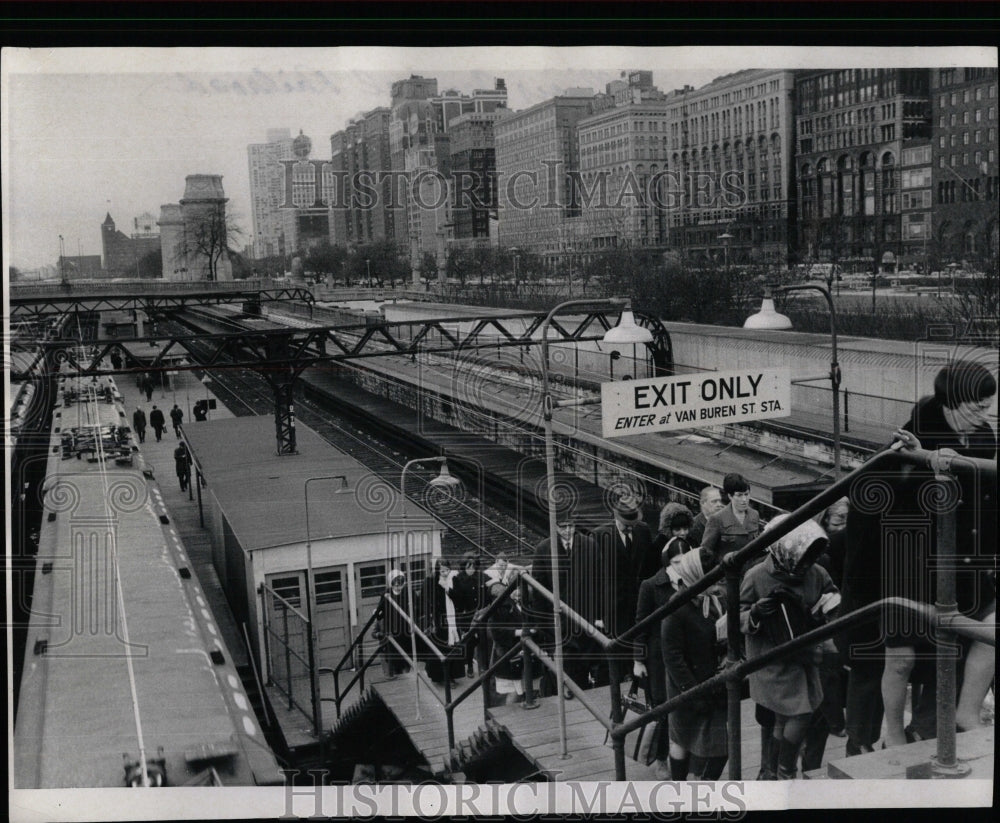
{"x": 287, "y": 640}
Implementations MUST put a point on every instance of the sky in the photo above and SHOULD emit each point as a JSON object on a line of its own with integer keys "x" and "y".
{"x": 91, "y": 131}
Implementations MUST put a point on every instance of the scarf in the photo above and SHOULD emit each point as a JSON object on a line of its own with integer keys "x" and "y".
{"x": 789, "y": 550}
{"x": 689, "y": 571}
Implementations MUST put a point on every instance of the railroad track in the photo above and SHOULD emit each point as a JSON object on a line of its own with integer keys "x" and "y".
{"x": 472, "y": 524}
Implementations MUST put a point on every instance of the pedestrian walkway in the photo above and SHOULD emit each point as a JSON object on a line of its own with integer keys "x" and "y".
{"x": 183, "y": 506}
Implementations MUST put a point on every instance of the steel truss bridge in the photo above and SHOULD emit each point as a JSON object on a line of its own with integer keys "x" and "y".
{"x": 280, "y": 355}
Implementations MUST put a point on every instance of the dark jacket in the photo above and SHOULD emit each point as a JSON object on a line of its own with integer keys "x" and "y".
{"x": 176, "y": 416}
{"x": 895, "y": 503}
{"x": 541, "y": 570}
{"x": 690, "y": 651}
{"x": 157, "y": 420}
{"x": 604, "y": 583}
{"x": 139, "y": 420}
{"x": 468, "y": 593}
{"x": 502, "y": 625}
{"x": 697, "y": 532}
{"x": 725, "y": 534}
{"x": 654, "y": 592}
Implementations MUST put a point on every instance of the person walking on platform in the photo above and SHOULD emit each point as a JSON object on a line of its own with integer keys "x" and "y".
{"x": 158, "y": 422}
{"x": 182, "y": 463}
{"x": 147, "y": 387}
{"x": 176, "y": 418}
{"x": 139, "y": 424}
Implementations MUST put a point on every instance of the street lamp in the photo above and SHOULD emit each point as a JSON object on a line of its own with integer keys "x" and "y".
{"x": 444, "y": 480}
{"x": 768, "y": 318}
{"x": 625, "y": 332}
{"x": 368, "y": 269}
{"x": 310, "y": 601}
{"x": 725, "y": 237}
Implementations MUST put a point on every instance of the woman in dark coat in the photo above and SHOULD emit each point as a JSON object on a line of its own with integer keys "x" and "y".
{"x": 438, "y": 622}
{"x": 505, "y": 627}
{"x": 654, "y": 592}
{"x": 675, "y": 521}
{"x": 692, "y": 653}
{"x": 955, "y": 418}
{"x": 392, "y": 624}
{"x": 790, "y": 687}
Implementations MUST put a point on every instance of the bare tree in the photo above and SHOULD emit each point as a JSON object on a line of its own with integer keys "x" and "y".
{"x": 208, "y": 237}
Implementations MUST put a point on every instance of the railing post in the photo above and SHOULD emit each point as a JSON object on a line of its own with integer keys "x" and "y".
{"x": 614, "y": 670}
{"x": 449, "y": 710}
{"x": 847, "y": 427}
{"x": 288, "y": 656}
{"x": 945, "y": 763}
{"x": 484, "y": 664}
{"x": 526, "y": 673}
{"x": 733, "y": 685}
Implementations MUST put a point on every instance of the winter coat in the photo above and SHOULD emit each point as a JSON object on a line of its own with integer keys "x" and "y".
{"x": 157, "y": 420}
{"x": 725, "y": 534}
{"x": 791, "y": 685}
{"x": 654, "y": 592}
{"x": 139, "y": 420}
{"x": 604, "y": 576}
{"x": 691, "y": 656}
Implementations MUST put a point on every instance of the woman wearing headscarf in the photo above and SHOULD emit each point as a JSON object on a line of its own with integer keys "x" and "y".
{"x": 392, "y": 624}
{"x": 692, "y": 653}
{"x": 782, "y": 597}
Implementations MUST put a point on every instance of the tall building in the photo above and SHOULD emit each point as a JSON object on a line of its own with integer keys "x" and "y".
{"x": 729, "y": 187}
{"x": 124, "y": 255}
{"x": 852, "y": 127}
{"x": 537, "y": 158}
{"x": 623, "y": 150}
{"x": 473, "y": 169}
{"x": 365, "y": 207}
{"x": 420, "y": 150}
{"x": 305, "y": 213}
{"x": 267, "y": 189}
{"x": 964, "y": 165}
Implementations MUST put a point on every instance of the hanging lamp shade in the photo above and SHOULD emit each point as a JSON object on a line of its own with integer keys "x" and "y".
{"x": 627, "y": 331}
{"x": 444, "y": 480}
{"x": 767, "y": 318}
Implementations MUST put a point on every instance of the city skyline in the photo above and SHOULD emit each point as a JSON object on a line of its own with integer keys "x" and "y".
{"x": 109, "y": 139}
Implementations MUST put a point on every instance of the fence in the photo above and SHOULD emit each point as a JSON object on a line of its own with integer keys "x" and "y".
{"x": 289, "y": 649}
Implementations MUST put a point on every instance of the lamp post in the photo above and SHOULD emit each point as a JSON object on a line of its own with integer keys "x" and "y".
{"x": 310, "y": 602}
{"x": 625, "y": 332}
{"x": 444, "y": 480}
{"x": 952, "y": 267}
{"x": 725, "y": 237}
{"x": 768, "y": 318}
{"x": 368, "y": 271}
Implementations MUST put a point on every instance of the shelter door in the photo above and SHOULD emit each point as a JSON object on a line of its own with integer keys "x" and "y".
{"x": 332, "y": 624}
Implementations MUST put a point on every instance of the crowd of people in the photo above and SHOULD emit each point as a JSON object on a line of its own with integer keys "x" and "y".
{"x": 619, "y": 573}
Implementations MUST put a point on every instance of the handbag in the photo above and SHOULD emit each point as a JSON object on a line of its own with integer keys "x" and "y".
{"x": 643, "y": 744}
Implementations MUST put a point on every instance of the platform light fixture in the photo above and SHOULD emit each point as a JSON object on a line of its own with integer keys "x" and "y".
{"x": 627, "y": 331}
{"x": 769, "y": 318}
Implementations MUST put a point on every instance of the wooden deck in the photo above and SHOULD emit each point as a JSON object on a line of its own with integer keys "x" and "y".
{"x": 429, "y": 732}
{"x": 535, "y": 732}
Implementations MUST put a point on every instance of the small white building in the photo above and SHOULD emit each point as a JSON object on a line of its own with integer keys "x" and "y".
{"x": 254, "y": 504}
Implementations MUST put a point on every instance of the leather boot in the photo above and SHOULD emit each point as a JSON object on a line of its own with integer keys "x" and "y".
{"x": 788, "y": 760}
{"x": 768, "y": 756}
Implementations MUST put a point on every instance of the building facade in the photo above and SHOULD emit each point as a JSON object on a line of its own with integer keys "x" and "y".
{"x": 729, "y": 190}
{"x": 852, "y": 127}
{"x": 537, "y": 159}
{"x": 365, "y": 205}
{"x": 963, "y": 167}
{"x": 473, "y": 168}
{"x": 126, "y": 256}
{"x": 623, "y": 152}
{"x": 267, "y": 185}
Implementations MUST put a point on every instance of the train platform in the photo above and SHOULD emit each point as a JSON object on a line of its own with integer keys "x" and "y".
{"x": 123, "y": 655}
